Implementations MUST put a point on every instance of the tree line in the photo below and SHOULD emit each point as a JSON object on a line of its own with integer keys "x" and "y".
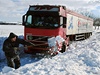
{"x": 89, "y": 14}
{"x": 5, "y": 23}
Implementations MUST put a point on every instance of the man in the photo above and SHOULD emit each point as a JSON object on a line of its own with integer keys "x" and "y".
{"x": 10, "y": 47}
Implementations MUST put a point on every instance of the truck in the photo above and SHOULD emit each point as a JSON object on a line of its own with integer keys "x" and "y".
{"x": 50, "y": 28}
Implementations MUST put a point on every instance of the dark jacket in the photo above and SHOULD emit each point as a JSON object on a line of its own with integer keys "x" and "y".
{"x": 8, "y": 45}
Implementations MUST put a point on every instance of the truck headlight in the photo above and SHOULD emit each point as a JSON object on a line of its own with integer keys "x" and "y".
{"x": 29, "y": 37}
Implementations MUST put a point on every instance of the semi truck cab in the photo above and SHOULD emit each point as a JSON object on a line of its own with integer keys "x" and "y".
{"x": 43, "y": 22}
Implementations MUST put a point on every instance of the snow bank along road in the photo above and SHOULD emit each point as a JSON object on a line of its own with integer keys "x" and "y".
{"x": 81, "y": 58}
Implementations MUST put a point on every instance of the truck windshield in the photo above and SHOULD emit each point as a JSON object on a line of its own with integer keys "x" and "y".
{"x": 42, "y": 21}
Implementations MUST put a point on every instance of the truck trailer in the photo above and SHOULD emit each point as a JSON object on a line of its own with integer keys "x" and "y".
{"x": 51, "y": 27}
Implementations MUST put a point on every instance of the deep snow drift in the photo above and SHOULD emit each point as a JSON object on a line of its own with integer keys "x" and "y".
{"x": 81, "y": 58}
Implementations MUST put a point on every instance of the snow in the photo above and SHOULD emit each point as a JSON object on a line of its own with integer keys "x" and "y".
{"x": 6, "y": 29}
{"x": 81, "y": 58}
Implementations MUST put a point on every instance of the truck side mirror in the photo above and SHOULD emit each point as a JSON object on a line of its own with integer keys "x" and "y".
{"x": 64, "y": 25}
{"x": 23, "y": 19}
{"x": 64, "y": 22}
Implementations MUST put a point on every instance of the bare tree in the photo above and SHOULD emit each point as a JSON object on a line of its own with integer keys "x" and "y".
{"x": 97, "y": 23}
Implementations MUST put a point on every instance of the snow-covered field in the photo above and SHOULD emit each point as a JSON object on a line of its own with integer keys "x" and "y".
{"x": 81, "y": 58}
{"x": 6, "y": 29}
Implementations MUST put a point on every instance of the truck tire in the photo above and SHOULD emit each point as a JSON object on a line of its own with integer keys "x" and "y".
{"x": 63, "y": 47}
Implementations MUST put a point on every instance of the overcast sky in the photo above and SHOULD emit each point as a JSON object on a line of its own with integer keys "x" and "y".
{"x": 12, "y": 10}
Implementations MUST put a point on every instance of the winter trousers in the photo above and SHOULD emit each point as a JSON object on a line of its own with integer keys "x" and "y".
{"x": 13, "y": 62}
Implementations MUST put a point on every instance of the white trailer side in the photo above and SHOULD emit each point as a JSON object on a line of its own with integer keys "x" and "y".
{"x": 78, "y": 25}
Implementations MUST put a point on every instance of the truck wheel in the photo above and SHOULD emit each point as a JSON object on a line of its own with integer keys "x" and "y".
{"x": 63, "y": 47}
